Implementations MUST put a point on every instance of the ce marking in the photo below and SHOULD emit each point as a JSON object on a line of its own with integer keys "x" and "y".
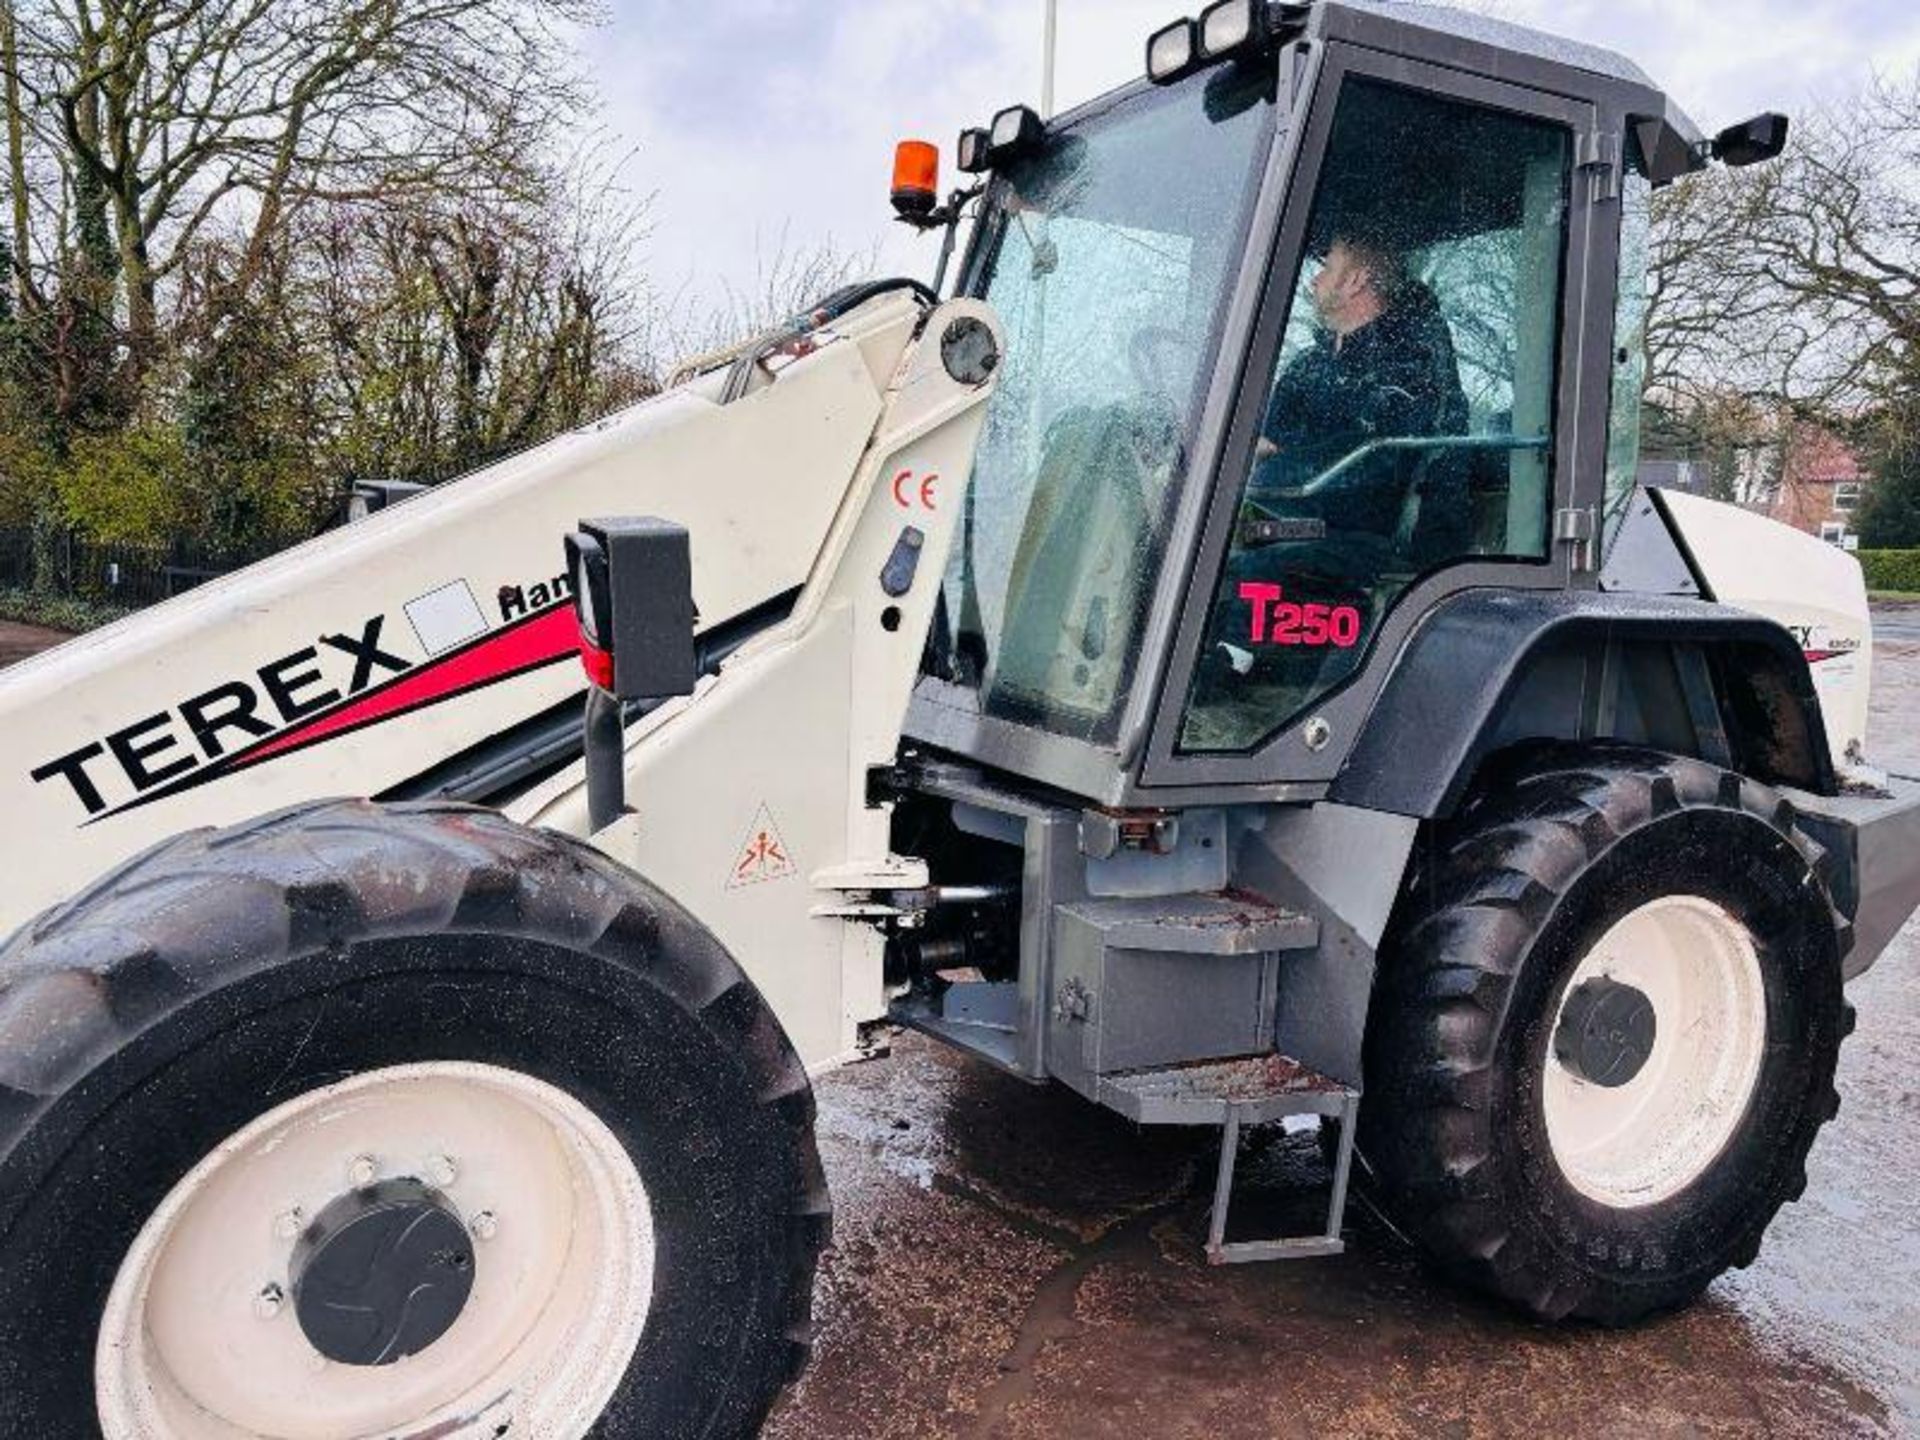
{"x": 911, "y": 490}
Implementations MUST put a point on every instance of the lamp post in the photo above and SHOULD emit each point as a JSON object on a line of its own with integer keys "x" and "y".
{"x": 1046, "y": 60}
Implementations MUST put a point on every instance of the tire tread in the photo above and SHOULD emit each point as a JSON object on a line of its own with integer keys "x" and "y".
{"x": 1460, "y": 938}
{"x": 211, "y": 908}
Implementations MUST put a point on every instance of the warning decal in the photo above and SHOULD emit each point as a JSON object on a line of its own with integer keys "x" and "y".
{"x": 762, "y": 855}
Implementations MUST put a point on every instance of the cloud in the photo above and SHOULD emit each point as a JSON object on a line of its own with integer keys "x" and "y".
{"x": 763, "y": 122}
{"x": 1723, "y": 63}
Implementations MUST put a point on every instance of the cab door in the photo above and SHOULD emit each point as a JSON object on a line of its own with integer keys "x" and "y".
{"x": 1408, "y": 424}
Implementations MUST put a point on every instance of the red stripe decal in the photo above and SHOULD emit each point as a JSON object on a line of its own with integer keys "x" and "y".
{"x": 544, "y": 639}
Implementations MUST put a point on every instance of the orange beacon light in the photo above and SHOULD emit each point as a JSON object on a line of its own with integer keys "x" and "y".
{"x": 916, "y": 179}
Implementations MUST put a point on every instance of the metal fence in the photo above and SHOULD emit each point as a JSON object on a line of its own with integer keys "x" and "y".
{"x": 124, "y": 575}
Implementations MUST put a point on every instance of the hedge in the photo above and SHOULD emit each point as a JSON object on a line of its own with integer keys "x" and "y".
{"x": 56, "y": 612}
{"x": 1897, "y": 570}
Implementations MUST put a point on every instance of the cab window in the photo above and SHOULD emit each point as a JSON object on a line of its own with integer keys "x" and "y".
{"x": 1108, "y": 255}
{"x": 1408, "y": 425}
{"x": 1629, "y": 350}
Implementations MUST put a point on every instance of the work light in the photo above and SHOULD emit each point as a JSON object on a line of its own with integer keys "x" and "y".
{"x": 970, "y": 154}
{"x": 1229, "y": 25}
{"x": 1015, "y": 128}
{"x": 1171, "y": 52}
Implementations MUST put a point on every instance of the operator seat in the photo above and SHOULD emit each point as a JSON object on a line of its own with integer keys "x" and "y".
{"x": 1072, "y": 588}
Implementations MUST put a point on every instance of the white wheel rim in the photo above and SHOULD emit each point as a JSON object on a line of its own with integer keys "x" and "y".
{"x": 563, "y": 1275}
{"x": 1645, "y": 1141}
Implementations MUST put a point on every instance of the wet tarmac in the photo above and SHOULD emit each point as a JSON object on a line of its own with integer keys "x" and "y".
{"x": 1012, "y": 1262}
{"x": 18, "y": 641}
{"x": 1897, "y": 624}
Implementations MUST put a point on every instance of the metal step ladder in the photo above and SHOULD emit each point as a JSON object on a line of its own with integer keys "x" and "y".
{"x": 1232, "y": 1094}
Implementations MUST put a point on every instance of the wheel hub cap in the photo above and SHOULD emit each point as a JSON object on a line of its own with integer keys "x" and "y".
{"x": 1606, "y": 1032}
{"x": 382, "y": 1273}
{"x": 285, "y": 1288}
{"x": 1656, "y": 1051}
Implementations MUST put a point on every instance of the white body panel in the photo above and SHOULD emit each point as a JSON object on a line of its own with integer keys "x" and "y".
{"x": 749, "y": 797}
{"x": 1812, "y": 588}
{"x": 448, "y": 589}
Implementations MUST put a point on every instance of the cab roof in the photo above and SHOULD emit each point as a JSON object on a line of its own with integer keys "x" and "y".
{"x": 1671, "y": 144}
{"x": 1502, "y": 35}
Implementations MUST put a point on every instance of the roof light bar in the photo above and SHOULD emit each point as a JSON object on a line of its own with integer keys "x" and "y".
{"x": 1172, "y": 52}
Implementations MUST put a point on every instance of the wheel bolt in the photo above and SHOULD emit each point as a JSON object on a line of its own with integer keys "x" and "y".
{"x": 267, "y": 1303}
{"x": 485, "y": 1226}
{"x": 442, "y": 1171}
{"x": 287, "y": 1224}
{"x": 362, "y": 1170}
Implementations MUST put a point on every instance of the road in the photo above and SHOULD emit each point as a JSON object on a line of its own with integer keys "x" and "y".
{"x": 1012, "y": 1263}
{"x": 18, "y": 641}
{"x": 1897, "y": 625}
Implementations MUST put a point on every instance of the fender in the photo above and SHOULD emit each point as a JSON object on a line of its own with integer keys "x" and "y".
{"x": 1488, "y": 669}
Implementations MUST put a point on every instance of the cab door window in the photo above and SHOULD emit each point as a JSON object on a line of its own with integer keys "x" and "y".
{"x": 1409, "y": 422}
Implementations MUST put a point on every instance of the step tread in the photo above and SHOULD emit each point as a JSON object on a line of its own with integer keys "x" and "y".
{"x": 1258, "y": 1087}
{"x": 1228, "y": 922}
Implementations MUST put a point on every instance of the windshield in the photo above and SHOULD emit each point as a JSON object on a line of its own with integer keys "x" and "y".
{"x": 1108, "y": 255}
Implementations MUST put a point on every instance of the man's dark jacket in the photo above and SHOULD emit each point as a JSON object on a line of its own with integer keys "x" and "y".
{"x": 1397, "y": 376}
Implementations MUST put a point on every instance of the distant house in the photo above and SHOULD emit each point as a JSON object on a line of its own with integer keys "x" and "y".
{"x": 1822, "y": 481}
{"x": 1800, "y": 474}
{"x": 1687, "y": 475}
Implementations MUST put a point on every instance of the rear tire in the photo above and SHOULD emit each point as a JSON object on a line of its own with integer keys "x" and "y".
{"x": 1615, "y": 1182}
{"x": 392, "y": 983}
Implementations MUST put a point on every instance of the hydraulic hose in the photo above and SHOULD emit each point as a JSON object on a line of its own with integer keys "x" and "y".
{"x": 826, "y": 312}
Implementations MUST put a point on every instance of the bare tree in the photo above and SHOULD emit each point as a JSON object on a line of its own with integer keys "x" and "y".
{"x": 787, "y": 278}
{"x": 442, "y": 334}
{"x": 164, "y": 115}
{"x": 1839, "y": 233}
{"x": 19, "y": 237}
{"x": 1798, "y": 280}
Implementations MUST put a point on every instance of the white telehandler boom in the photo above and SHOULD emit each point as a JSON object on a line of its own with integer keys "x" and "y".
{"x": 1218, "y": 661}
{"x": 367, "y": 657}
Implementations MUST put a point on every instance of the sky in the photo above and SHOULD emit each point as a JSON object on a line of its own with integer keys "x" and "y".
{"x": 766, "y": 127}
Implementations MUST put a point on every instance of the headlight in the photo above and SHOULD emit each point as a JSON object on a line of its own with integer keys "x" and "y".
{"x": 589, "y": 573}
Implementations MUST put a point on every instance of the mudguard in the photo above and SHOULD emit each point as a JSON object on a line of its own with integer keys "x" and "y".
{"x": 1489, "y": 668}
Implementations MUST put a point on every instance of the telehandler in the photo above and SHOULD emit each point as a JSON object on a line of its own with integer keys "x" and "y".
{"x": 1217, "y": 660}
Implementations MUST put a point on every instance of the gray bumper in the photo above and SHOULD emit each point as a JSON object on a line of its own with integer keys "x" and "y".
{"x": 1877, "y": 843}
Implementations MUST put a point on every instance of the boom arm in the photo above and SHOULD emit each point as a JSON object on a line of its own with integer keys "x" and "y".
{"x": 364, "y": 659}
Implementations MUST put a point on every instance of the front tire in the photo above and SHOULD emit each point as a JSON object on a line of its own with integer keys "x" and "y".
{"x": 244, "y": 1043}
{"x": 1604, "y": 1033}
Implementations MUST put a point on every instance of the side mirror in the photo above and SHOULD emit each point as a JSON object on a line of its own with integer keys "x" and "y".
{"x": 633, "y": 596}
{"x": 1751, "y": 141}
